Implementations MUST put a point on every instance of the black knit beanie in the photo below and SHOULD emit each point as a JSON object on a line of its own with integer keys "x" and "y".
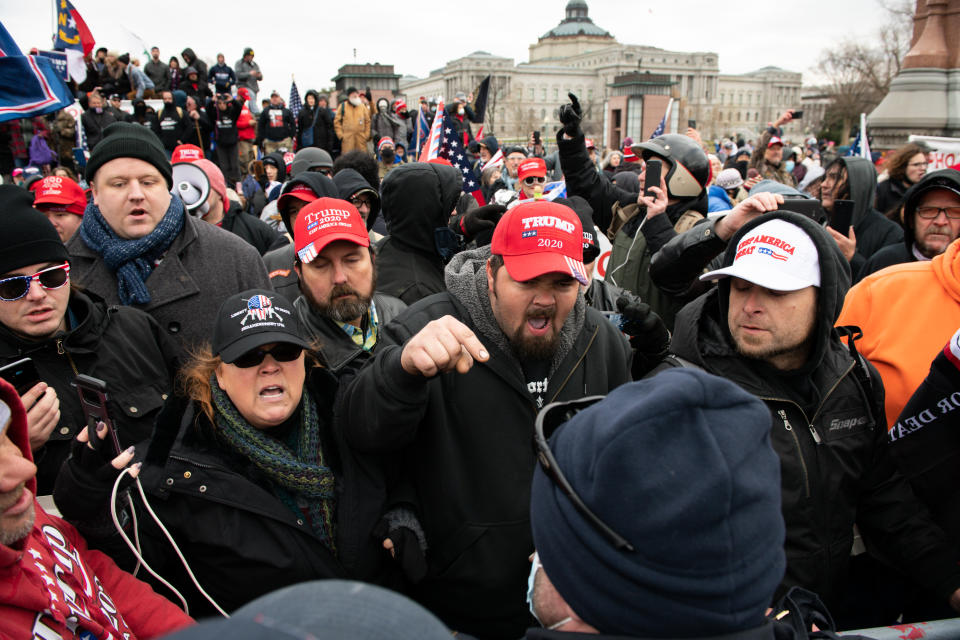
{"x": 30, "y": 238}
{"x": 129, "y": 140}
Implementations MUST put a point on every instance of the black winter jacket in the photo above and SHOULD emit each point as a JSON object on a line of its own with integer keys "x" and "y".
{"x": 275, "y": 124}
{"x": 890, "y": 194}
{"x": 319, "y": 122}
{"x": 240, "y": 540}
{"x": 638, "y": 238}
{"x": 255, "y": 231}
{"x": 94, "y": 123}
{"x": 466, "y": 440}
{"x": 172, "y": 122}
{"x": 873, "y": 231}
{"x": 338, "y": 352}
{"x": 196, "y": 131}
{"x": 225, "y": 121}
{"x": 828, "y": 429}
{"x": 416, "y": 199}
{"x": 122, "y": 346}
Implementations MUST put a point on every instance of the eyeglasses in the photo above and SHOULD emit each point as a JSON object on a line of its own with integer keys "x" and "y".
{"x": 358, "y": 202}
{"x": 549, "y": 418}
{"x": 281, "y": 352}
{"x": 532, "y": 180}
{"x": 50, "y": 278}
{"x": 928, "y": 213}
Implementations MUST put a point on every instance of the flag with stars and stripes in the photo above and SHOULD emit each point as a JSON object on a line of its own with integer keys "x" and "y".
{"x": 861, "y": 146}
{"x": 663, "y": 122}
{"x": 295, "y": 103}
{"x": 451, "y": 149}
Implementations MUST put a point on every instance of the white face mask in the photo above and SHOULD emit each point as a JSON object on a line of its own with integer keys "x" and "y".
{"x": 355, "y": 101}
{"x": 530, "y": 582}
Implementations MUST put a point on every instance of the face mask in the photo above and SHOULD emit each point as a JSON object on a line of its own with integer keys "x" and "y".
{"x": 789, "y": 166}
{"x": 387, "y": 155}
{"x": 98, "y": 109}
{"x": 530, "y": 581}
{"x": 460, "y": 110}
{"x": 355, "y": 101}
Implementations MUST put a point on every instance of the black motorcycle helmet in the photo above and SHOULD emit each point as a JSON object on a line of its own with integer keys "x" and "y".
{"x": 689, "y": 171}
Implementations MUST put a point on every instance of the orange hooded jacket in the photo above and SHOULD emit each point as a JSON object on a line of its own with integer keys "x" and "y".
{"x": 907, "y": 313}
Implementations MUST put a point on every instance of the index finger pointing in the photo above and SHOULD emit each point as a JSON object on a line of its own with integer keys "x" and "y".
{"x": 471, "y": 343}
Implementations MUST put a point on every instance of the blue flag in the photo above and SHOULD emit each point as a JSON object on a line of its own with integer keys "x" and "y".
{"x": 451, "y": 148}
{"x": 72, "y": 31}
{"x": 295, "y": 103}
{"x": 29, "y": 85}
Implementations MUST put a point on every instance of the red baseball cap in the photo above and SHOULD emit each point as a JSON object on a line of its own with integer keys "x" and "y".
{"x": 186, "y": 153}
{"x": 323, "y": 221}
{"x": 532, "y": 167}
{"x": 540, "y": 237}
{"x": 590, "y": 144}
{"x": 299, "y": 192}
{"x": 59, "y": 193}
{"x": 774, "y": 140}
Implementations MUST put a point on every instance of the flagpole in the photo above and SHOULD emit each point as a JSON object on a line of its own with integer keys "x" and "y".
{"x": 53, "y": 35}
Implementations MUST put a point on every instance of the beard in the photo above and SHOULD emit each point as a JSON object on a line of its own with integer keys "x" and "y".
{"x": 345, "y": 310}
{"x": 12, "y": 535}
{"x": 535, "y": 347}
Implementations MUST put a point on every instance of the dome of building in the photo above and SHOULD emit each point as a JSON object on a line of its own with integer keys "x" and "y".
{"x": 577, "y": 22}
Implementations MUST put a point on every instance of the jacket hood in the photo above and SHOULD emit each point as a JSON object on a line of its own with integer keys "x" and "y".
{"x": 17, "y": 427}
{"x": 466, "y": 279}
{"x": 281, "y": 165}
{"x": 188, "y": 55}
{"x": 943, "y": 179}
{"x": 418, "y": 198}
{"x": 862, "y": 185}
{"x": 349, "y": 182}
{"x": 834, "y": 284}
{"x": 946, "y": 267}
{"x": 319, "y": 183}
{"x": 311, "y": 92}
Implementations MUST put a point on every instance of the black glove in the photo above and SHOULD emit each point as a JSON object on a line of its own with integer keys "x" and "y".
{"x": 570, "y": 116}
{"x": 480, "y": 219}
{"x": 648, "y": 334}
{"x": 407, "y": 549}
{"x": 85, "y": 482}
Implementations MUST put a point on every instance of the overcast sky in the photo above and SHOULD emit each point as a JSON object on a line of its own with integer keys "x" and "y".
{"x": 312, "y": 39}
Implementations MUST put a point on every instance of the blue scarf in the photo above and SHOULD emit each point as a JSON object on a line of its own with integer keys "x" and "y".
{"x": 131, "y": 260}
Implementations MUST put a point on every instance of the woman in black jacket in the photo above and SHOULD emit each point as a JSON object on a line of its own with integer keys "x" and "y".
{"x": 314, "y": 124}
{"x": 904, "y": 169}
{"x": 246, "y": 472}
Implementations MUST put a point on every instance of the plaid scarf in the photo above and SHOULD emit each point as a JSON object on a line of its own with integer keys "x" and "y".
{"x": 295, "y": 467}
{"x": 131, "y": 260}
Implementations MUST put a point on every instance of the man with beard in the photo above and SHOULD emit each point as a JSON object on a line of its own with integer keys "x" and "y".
{"x": 335, "y": 264}
{"x": 454, "y": 389}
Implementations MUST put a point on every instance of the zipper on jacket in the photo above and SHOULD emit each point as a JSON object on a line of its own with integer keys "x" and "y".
{"x": 63, "y": 352}
{"x": 796, "y": 441}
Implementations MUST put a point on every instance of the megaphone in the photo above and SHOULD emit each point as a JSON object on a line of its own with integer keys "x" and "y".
{"x": 193, "y": 187}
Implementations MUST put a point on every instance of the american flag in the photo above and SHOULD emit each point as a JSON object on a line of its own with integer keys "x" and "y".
{"x": 451, "y": 148}
{"x": 663, "y": 122}
{"x": 295, "y": 103}
{"x": 861, "y": 146}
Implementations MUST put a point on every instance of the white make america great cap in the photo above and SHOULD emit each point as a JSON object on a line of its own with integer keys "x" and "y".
{"x": 776, "y": 255}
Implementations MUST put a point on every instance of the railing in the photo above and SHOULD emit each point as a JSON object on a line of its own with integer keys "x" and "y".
{"x": 934, "y": 630}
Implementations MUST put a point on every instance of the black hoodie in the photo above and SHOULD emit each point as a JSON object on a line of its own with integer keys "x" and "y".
{"x": 416, "y": 200}
{"x": 279, "y": 262}
{"x": 836, "y": 468}
{"x": 193, "y": 61}
{"x": 349, "y": 183}
{"x": 317, "y": 123}
{"x": 873, "y": 231}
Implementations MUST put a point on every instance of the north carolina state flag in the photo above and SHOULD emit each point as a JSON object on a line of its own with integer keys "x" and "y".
{"x": 72, "y": 31}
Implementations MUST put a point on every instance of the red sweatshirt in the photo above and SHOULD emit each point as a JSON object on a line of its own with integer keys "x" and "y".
{"x": 53, "y": 586}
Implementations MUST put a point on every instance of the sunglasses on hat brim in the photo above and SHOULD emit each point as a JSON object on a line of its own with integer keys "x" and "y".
{"x": 550, "y": 418}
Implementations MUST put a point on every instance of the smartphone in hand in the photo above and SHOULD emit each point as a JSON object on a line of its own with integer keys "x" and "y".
{"x": 652, "y": 177}
{"x": 93, "y": 402}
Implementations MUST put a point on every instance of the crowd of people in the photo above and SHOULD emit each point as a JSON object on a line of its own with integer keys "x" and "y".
{"x": 340, "y": 364}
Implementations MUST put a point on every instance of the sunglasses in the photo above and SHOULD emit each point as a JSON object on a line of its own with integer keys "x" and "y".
{"x": 548, "y": 420}
{"x": 50, "y": 278}
{"x": 532, "y": 180}
{"x": 281, "y": 352}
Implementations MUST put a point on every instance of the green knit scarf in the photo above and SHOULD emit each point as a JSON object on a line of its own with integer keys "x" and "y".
{"x": 295, "y": 466}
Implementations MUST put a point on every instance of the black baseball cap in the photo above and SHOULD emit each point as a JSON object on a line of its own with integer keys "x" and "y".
{"x": 254, "y": 318}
